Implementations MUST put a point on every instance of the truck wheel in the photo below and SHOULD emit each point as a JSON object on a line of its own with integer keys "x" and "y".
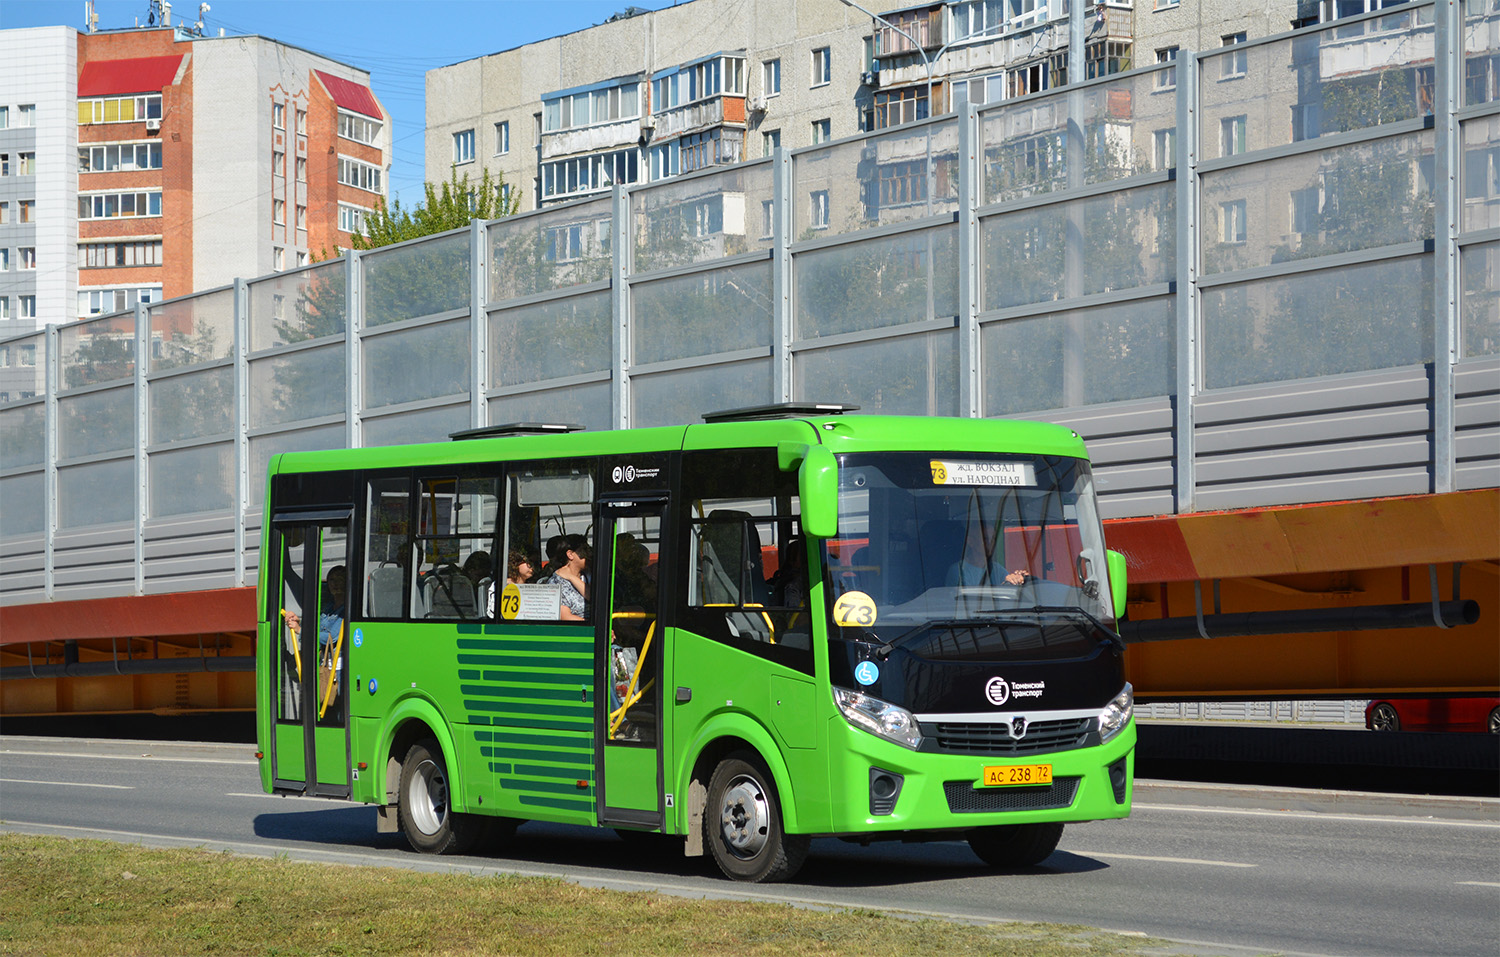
{"x": 742, "y": 824}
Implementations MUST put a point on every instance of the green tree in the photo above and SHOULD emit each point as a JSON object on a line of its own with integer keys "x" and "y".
{"x": 449, "y": 206}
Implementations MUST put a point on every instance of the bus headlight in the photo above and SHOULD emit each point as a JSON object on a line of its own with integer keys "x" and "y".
{"x": 1116, "y": 714}
{"x": 879, "y": 717}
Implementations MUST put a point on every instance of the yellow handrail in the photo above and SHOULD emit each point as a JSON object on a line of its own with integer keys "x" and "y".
{"x": 296, "y": 643}
{"x": 631, "y": 695}
{"x": 338, "y": 651}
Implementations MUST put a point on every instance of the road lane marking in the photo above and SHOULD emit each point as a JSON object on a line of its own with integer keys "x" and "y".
{"x": 1160, "y": 860}
{"x": 69, "y": 784}
{"x": 1317, "y": 815}
{"x": 127, "y": 757}
{"x": 1479, "y": 883}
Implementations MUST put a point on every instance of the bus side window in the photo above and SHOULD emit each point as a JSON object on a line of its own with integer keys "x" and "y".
{"x": 387, "y": 545}
{"x": 746, "y": 580}
{"x": 546, "y": 503}
{"x": 455, "y": 536}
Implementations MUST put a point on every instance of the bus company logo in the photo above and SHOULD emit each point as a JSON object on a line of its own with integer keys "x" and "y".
{"x": 618, "y": 475}
{"x": 997, "y": 691}
{"x": 630, "y": 473}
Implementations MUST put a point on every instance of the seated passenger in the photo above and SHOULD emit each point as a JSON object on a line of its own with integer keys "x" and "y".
{"x": 981, "y": 565}
{"x": 569, "y": 565}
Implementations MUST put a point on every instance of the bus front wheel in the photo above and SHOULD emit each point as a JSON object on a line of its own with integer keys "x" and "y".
{"x": 424, "y": 808}
{"x": 742, "y": 824}
{"x": 1015, "y": 845}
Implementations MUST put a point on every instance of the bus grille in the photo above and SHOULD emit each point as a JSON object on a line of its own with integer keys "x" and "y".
{"x": 964, "y": 798}
{"x": 993, "y": 738}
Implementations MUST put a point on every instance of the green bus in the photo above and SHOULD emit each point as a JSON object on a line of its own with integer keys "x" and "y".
{"x": 781, "y": 623}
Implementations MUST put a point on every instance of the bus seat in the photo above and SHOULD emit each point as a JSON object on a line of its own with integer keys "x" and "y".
{"x": 482, "y": 597}
{"x": 450, "y": 594}
{"x": 383, "y": 595}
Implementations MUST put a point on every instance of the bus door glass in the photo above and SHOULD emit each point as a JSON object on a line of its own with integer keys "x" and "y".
{"x": 311, "y": 740}
{"x": 630, "y": 639}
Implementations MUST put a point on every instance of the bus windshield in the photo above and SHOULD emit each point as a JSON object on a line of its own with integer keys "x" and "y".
{"x": 964, "y": 539}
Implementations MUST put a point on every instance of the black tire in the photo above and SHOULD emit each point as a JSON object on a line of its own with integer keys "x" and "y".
{"x": 1015, "y": 845}
{"x": 1495, "y": 721}
{"x": 742, "y": 824}
{"x": 1383, "y": 717}
{"x": 423, "y": 807}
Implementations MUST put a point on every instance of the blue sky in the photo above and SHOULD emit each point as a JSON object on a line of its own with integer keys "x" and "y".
{"x": 397, "y": 42}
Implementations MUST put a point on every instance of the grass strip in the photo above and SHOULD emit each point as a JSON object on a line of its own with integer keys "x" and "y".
{"x": 72, "y": 896}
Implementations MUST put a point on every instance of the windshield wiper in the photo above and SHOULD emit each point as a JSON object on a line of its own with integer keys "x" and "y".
{"x": 885, "y": 649}
{"x": 1080, "y": 610}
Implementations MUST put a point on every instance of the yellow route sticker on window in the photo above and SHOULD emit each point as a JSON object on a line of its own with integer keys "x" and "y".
{"x": 982, "y": 473}
{"x": 510, "y": 601}
{"x": 854, "y": 609}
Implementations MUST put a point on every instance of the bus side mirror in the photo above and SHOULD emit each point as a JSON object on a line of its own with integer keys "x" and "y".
{"x": 817, "y": 487}
{"x": 1116, "y": 563}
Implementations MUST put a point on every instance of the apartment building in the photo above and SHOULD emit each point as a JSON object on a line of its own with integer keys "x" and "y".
{"x": 158, "y": 161}
{"x": 649, "y": 95}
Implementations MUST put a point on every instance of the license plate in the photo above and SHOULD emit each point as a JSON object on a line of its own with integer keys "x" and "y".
{"x": 1017, "y": 774}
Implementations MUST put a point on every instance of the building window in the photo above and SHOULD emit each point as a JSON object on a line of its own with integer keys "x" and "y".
{"x": 301, "y": 169}
{"x": 1232, "y": 135}
{"x": 1232, "y": 219}
{"x": 822, "y": 71}
{"x": 278, "y": 259}
{"x": 1166, "y": 79}
{"x": 351, "y": 218}
{"x": 1165, "y": 4}
{"x": 4, "y": 117}
{"x": 120, "y": 109}
{"x": 26, "y": 164}
{"x": 770, "y": 141}
{"x": 1105, "y": 58}
{"x": 27, "y": 209}
{"x": 1164, "y": 148}
{"x": 767, "y": 218}
{"x": 119, "y": 205}
{"x": 979, "y": 18}
{"x": 4, "y": 259}
{"x": 770, "y": 77}
{"x": 697, "y": 82}
{"x": 27, "y": 256}
{"x": 817, "y": 202}
{"x": 894, "y": 107}
{"x": 1234, "y": 64}
{"x": 360, "y": 175}
{"x": 4, "y": 213}
{"x": 26, "y": 114}
{"x": 302, "y": 122}
{"x": 93, "y": 302}
{"x": 109, "y": 157}
{"x": 1306, "y": 210}
{"x": 4, "y": 315}
{"x": 4, "y": 164}
{"x": 28, "y": 311}
{"x": 607, "y": 105}
{"x": 822, "y": 130}
{"x": 278, "y": 116}
{"x": 278, "y": 211}
{"x": 104, "y": 255}
{"x": 463, "y": 147}
{"x": 360, "y": 129}
{"x": 278, "y": 163}
{"x": 502, "y": 137}
{"x": 301, "y": 259}
{"x": 301, "y": 217}
{"x": 587, "y": 174}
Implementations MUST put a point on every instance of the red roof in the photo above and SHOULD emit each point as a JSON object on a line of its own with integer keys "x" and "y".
{"x": 145, "y": 74}
{"x": 350, "y": 95}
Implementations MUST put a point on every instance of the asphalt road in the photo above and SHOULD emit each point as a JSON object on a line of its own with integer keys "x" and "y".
{"x": 1226, "y": 869}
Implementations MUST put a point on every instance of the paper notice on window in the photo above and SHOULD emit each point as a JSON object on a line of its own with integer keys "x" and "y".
{"x": 983, "y": 473}
{"x": 530, "y": 602}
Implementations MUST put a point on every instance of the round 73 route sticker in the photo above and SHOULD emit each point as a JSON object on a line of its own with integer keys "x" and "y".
{"x": 854, "y": 609}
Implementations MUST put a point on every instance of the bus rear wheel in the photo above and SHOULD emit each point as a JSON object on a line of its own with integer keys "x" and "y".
{"x": 1015, "y": 845}
{"x": 742, "y": 824}
{"x": 424, "y": 809}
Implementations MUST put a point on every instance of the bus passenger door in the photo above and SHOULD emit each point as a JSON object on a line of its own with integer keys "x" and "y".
{"x": 630, "y": 640}
{"x": 310, "y": 744}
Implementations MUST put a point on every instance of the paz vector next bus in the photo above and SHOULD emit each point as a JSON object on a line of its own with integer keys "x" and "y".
{"x": 783, "y": 623}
